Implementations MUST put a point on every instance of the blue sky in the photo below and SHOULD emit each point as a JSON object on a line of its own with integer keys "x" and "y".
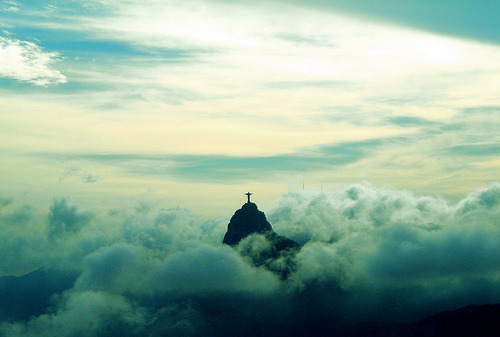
{"x": 170, "y": 99}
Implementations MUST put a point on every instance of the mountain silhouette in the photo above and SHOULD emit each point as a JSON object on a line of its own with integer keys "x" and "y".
{"x": 252, "y": 235}
{"x": 30, "y": 294}
{"x": 245, "y": 221}
{"x": 472, "y": 320}
{"x": 249, "y": 220}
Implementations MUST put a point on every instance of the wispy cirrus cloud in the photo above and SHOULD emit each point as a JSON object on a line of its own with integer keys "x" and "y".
{"x": 230, "y": 168}
{"x": 215, "y": 88}
{"x": 10, "y": 6}
{"x": 28, "y": 62}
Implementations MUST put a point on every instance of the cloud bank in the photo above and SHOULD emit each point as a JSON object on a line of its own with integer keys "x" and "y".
{"x": 368, "y": 255}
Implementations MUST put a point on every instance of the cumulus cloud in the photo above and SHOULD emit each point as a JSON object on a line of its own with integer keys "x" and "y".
{"x": 102, "y": 269}
{"x": 18, "y": 217}
{"x": 26, "y": 61}
{"x": 217, "y": 270}
{"x": 66, "y": 218}
{"x": 168, "y": 230}
{"x": 377, "y": 241}
{"x": 331, "y": 216}
{"x": 85, "y": 313}
{"x": 368, "y": 255}
{"x": 5, "y": 202}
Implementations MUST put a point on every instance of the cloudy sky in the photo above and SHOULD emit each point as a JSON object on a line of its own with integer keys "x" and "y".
{"x": 129, "y": 131}
{"x": 189, "y": 101}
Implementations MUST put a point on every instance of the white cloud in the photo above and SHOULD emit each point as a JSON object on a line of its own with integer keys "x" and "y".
{"x": 28, "y": 62}
{"x": 10, "y": 6}
{"x": 333, "y": 216}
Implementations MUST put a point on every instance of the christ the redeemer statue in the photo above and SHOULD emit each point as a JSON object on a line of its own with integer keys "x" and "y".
{"x": 248, "y": 194}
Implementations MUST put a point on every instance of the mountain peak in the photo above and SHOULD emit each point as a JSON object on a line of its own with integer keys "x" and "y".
{"x": 245, "y": 221}
{"x": 248, "y": 221}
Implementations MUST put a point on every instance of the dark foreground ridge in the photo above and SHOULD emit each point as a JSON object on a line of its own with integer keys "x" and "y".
{"x": 473, "y": 320}
{"x": 470, "y": 321}
{"x": 248, "y": 225}
{"x": 19, "y": 301}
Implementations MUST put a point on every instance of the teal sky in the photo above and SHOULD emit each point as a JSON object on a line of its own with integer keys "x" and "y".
{"x": 194, "y": 103}
{"x": 465, "y": 19}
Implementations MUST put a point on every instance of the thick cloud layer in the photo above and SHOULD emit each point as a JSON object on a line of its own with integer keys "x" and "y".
{"x": 368, "y": 255}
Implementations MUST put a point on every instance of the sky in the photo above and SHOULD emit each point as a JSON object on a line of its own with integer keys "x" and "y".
{"x": 203, "y": 100}
{"x": 130, "y": 131}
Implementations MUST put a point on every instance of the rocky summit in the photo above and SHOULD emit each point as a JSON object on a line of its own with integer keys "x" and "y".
{"x": 253, "y": 236}
{"x": 249, "y": 220}
{"x": 245, "y": 221}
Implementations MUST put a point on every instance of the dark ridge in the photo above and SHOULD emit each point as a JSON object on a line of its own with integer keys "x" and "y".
{"x": 473, "y": 320}
{"x": 30, "y": 294}
{"x": 470, "y": 321}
